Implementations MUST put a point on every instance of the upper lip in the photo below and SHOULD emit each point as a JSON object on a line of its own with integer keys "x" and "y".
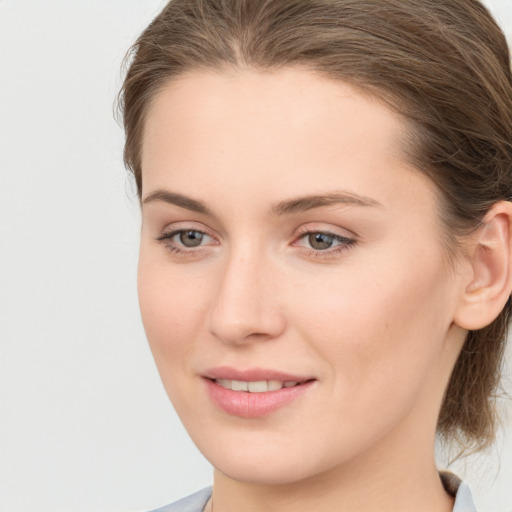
{"x": 252, "y": 374}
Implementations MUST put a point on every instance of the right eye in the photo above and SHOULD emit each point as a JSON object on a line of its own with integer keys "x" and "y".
{"x": 190, "y": 238}
{"x": 183, "y": 240}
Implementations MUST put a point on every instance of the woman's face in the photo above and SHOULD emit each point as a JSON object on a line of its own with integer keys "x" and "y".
{"x": 292, "y": 280}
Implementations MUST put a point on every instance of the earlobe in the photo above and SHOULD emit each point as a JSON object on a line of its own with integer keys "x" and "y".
{"x": 490, "y": 285}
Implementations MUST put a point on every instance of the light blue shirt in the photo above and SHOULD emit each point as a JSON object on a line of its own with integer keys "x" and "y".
{"x": 453, "y": 485}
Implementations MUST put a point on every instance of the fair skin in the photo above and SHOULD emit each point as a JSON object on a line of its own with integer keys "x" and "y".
{"x": 351, "y": 290}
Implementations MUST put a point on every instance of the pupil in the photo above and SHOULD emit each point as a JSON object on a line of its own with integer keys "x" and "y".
{"x": 191, "y": 238}
{"x": 320, "y": 241}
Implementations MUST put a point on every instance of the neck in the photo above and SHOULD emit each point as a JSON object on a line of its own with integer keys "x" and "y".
{"x": 398, "y": 484}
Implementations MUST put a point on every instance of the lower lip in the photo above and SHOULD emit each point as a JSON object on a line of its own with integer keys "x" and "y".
{"x": 254, "y": 405}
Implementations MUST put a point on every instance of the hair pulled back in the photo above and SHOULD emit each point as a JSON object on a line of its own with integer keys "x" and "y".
{"x": 442, "y": 64}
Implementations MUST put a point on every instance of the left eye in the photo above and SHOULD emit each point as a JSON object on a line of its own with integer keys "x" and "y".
{"x": 320, "y": 241}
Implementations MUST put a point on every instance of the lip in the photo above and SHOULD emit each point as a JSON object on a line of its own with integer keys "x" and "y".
{"x": 254, "y": 405}
{"x": 252, "y": 374}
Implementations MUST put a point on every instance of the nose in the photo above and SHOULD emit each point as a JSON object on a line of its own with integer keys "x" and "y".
{"x": 246, "y": 305}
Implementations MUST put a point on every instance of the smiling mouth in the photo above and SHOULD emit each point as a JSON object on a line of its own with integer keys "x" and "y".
{"x": 258, "y": 386}
{"x": 253, "y": 396}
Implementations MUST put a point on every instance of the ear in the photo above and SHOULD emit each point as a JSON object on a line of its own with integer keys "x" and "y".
{"x": 490, "y": 283}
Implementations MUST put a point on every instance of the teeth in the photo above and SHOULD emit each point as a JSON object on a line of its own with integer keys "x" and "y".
{"x": 259, "y": 386}
{"x": 274, "y": 385}
{"x": 225, "y": 383}
{"x": 239, "y": 385}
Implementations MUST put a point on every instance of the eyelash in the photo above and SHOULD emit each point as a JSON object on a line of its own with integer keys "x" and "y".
{"x": 344, "y": 243}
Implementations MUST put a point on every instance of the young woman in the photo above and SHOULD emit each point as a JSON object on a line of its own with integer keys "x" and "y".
{"x": 325, "y": 259}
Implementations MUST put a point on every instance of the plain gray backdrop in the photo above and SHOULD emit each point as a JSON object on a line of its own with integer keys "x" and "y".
{"x": 85, "y": 425}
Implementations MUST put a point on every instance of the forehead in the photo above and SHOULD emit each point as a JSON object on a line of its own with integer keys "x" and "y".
{"x": 291, "y": 127}
{"x": 288, "y": 101}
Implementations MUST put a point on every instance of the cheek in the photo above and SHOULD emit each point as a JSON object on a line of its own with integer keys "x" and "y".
{"x": 381, "y": 333}
{"x": 172, "y": 308}
{"x": 173, "y": 313}
{"x": 380, "y": 325}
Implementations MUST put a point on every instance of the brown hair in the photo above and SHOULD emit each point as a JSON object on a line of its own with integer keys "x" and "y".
{"x": 444, "y": 65}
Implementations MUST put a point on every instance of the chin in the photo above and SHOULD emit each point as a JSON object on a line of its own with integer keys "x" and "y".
{"x": 271, "y": 464}
{"x": 274, "y": 473}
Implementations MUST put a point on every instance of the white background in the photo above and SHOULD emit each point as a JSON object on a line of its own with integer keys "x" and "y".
{"x": 84, "y": 422}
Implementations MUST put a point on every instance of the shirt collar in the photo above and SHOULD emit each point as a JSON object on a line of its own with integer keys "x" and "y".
{"x": 459, "y": 490}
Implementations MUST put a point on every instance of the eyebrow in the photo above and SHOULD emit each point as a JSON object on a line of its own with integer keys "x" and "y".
{"x": 305, "y": 203}
{"x": 287, "y": 207}
{"x": 179, "y": 200}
